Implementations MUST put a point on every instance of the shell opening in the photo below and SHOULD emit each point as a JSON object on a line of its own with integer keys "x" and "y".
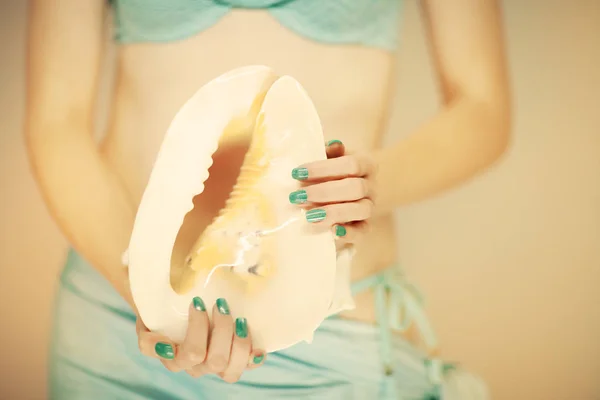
{"x": 236, "y": 167}
{"x": 208, "y": 205}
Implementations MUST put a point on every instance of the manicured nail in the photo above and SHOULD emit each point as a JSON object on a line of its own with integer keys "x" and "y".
{"x": 300, "y": 173}
{"x": 315, "y": 215}
{"x": 198, "y": 304}
{"x": 164, "y": 350}
{"x": 298, "y": 197}
{"x": 448, "y": 367}
{"x": 340, "y": 230}
{"x": 258, "y": 358}
{"x": 223, "y": 306}
{"x": 334, "y": 141}
{"x": 241, "y": 328}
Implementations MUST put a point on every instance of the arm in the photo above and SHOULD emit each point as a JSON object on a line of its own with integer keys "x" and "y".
{"x": 472, "y": 129}
{"x": 82, "y": 193}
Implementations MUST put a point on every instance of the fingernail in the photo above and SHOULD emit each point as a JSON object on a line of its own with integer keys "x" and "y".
{"x": 198, "y": 304}
{"x": 315, "y": 215}
{"x": 340, "y": 230}
{"x": 222, "y": 306}
{"x": 164, "y": 350}
{"x": 300, "y": 173}
{"x": 258, "y": 359}
{"x": 334, "y": 141}
{"x": 298, "y": 197}
{"x": 241, "y": 328}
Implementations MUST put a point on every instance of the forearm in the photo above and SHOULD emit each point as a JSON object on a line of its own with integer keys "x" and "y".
{"x": 463, "y": 139}
{"x": 85, "y": 197}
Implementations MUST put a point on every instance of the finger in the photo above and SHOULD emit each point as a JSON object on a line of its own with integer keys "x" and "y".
{"x": 349, "y": 189}
{"x": 139, "y": 326}
{"x": 219, "y": 348}
{"x": 154, "y": 345}
{"x": 334, "y": 148}
{"x": 256, "y": 359}
{"x": 193, "y": 349}
{"x": 350, "y": 232}
{"x": 199, "y": 370}
{"x": 171, "y": 365}
{"x": 340, "y": 213}
{"x": 335, "y": 168}
{"x": 240, "y": 350}
{"x": 157, "y": 346}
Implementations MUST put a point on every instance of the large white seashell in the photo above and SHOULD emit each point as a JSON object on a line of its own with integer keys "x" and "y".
{"x": 259, "y": 253}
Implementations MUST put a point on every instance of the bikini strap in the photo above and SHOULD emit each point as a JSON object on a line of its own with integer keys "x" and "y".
{"x": 404, "y": 306}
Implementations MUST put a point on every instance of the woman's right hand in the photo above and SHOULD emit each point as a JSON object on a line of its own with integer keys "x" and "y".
{"x": 224, "y": 349}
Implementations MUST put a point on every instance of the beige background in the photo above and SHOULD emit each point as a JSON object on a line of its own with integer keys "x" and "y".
{"x": 510, "y": 262}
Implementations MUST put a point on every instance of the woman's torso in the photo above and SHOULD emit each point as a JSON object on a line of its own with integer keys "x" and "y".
{"x": 349, "y": 84}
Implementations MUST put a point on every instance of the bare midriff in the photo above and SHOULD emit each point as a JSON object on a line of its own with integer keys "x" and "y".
{"x": 349, "y": 85}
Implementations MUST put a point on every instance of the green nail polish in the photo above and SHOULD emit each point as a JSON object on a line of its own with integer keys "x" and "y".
{"x": 340, "y": 230}
{"x": 258, "y": 359}
{"x": 164, "y": 350}
{"x": 223, "y": 306}
{"x": 300, "y": 173}
{"x": 334, "y": 141}
{"x": 315, "y": 215}
{"x": 298, "y": 197}
{"x": 198, "y": 304}
{"x": 448, "y": 367}
{"x": 241, "y": 328}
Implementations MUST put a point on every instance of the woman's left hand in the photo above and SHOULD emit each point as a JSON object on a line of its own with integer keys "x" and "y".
{"x": 337, "y": 192}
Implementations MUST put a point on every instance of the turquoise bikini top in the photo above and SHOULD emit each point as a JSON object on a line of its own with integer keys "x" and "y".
{"x": 371, "y": 23}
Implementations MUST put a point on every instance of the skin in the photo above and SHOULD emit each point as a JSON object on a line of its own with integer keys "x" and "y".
{"x": 343, "y": 186}
{"x": 358, "y": 188}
